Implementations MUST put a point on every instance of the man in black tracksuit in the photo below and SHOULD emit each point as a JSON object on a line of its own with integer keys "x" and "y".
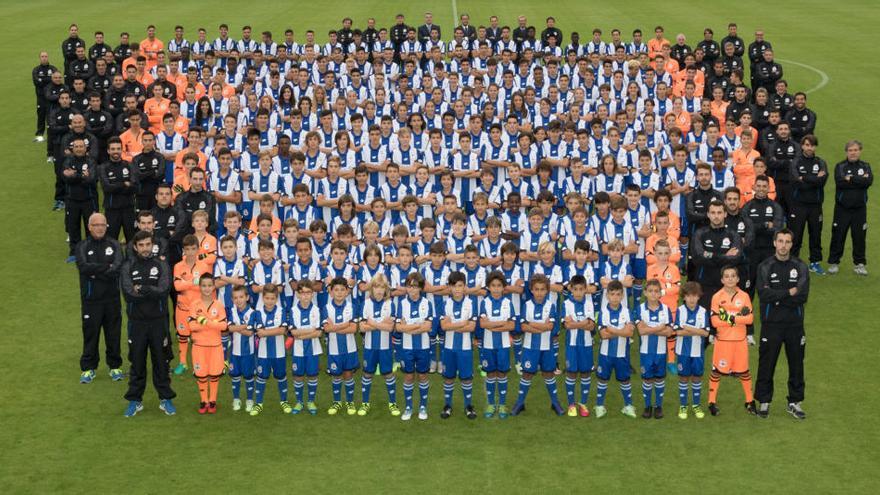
{"x": 145, "y": 283}
{"x": 149, "y": 166}
{"x": 713, "y": 247}
{"x": 780, "y": 155}
{"x": 736, "y": 220}
{"x": 809, "y": 173}
{"x": 59, "y": 125}
{"x": 767, "y": 217}
{"x": 42, "y": 77}
{"x": 98, "y": 259}
{"x": 852, "y": 177}
{"x": 783, "y": 287}
{"x": 80, "y": 174}
{"x": 119, "y": 183}
{"x": 697, "y": 208}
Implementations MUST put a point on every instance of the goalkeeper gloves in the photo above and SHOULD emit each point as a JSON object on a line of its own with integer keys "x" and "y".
{"x": 202, "y": 320}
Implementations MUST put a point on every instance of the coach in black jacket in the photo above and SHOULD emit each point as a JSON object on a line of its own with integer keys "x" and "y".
{"x": 783, "y": 286}
{"x": 714, "y": 247}
{"x": 809, "y": 173}
{"x": 98, "y": 259}
{"x": 852, "y": 177}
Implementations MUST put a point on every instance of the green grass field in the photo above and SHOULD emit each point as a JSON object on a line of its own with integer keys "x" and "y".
{"x": 59, "y": 436}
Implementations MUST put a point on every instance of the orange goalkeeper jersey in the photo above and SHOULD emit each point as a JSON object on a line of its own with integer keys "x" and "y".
{"x": 732, "y": 305}
{"x": 207, "y": 333}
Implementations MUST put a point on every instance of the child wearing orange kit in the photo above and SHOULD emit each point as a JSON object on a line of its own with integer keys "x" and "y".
{"x": 207, "y": 321}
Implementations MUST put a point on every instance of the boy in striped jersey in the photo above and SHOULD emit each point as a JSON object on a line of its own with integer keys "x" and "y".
{"x": 458, "y": 320}
{"x": 498, "y": 320}
{"x": 615, "y": 329}
{"x": 654, "y": 322}
{"x": 691, "y": 327}
{"x": 579, "y": 324}
{"x": 305, "y": 327}
{"x": 414, "y": 314}
{"x": 538, "y": 322}
{"x": 241, "y": 360}
{"x": 342, "y": 356}
{"x": 271, "y": 327}
{"x": 377, "y": 323}
{"x": 228, "y": 274}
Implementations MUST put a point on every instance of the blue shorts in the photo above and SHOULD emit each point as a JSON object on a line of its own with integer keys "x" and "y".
{"x": 639, "y": 268}
{"x": 416, "y": 360}
{"x": 652, "y": 365}
{"x": 457, "y": 363}
{"x": 620, "y": 365}
{"x": 242, "y": 365}
{"x": 690, "y": 366}
{"x": 578, "y": 359}
{"x": 342, "y": 362}
{"x": 495, "y": 360}
{"x": 278, "y": 366}
{"x": 534, "y": 361}
{"x": 305, "y": 365}
{"x": 376, "y": 357}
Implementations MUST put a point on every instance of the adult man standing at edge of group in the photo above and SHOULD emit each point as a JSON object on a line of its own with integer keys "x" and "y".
{"x": 98, "y": 259}
{"x": 852, "y": 177}
{"x": 146, "y": 281}
{"x": 783, "y": 286}
{"x": 42, "y": 77}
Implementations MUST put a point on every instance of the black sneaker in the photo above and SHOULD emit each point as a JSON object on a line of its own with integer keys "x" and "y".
{"x": 794, "y": 408}
{"x": 470, "y": 412}
{"x": 713, "y": 409}
{"x": 556, "y": 408}
{"x": 517, "y": 408}
{"x": 763, "y": 410}
{"x": 750, "y": 408}
{"x": 648, "y": 413}
{"x": 446, "y": 412}
{"x": 658, "y": 413}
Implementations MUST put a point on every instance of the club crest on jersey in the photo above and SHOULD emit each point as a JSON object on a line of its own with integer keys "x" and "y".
{"x": 154, "y": 271}
{"x": 201, "y": 205}
{"x": 769, "y": 210}
{"x": 725, "y": 242}
{"x": 794, "y": 273}
{"x": 109, "y": 250}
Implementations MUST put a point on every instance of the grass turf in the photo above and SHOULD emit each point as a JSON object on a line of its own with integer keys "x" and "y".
{"x": 59, "y": 436}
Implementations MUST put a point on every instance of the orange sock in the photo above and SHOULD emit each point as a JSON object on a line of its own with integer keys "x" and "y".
{"x": 714, "y": 380}
{"x": 746, "y": 380}
{"x": 212, "y": 389}
{"x": 182, "y": 348}
{"x": 670, "y": 349}
{"x": 203, "y": 389}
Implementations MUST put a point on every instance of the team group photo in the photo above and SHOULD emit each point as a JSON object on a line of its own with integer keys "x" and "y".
{"x": 528, "y": 228}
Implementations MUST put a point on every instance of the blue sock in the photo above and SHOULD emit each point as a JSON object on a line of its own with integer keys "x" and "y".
{"x": 517, "y": 349}
{"x": 391, "y": 386}
{"x": 569, "y": 389}
{"x": 282, "y": 388}
{"x": 249, "y": 387}
{"x": 467, "y": 390}
{"x": 298, "y": 390}
{"x": 646, "y": 392}
{"x": 697, "y": 389}
{"x": 682, "y": 393}
{"x": 313, "y": 389}
{"x": 601, "y": 388}
{"x": 585, "y": 389}
{"x": 236, "y": 386}
{"x": 524, "y": 385}
{"x": 423, "y": 394}
{"x": 502, "y": 390}
{"x": 336, "y": 385}
{"x": 491, "y": 381}
{"x": 659, "y": 389}
{"x": 261, "y": 387}
{"x": 448, "y": 388}
{"x": 349, "y": 390}
{"x": 408, "y": 394}
{"x": 626, "y": 391}
{"x": 366, "y": 385}
{"x": 637, "y": 294}
{"x": 551, "y": 389}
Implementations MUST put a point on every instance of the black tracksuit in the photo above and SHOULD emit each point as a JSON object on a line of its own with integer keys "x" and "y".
{"x": 782, "y": 323}
{"x": 761, "y": 212}
{"x": 145, "y": 284}
{"x": 780, "y": 156}
{"x": 709, "y": 248}
{"x": 81, "y": 196}
{"x": 98, "y": 262}
{"x": 119, "y": 197}
{"x": 807, "y": 196}
{"x": 59, "y": 126}
{"x": 42, "y": 77}
{"x": 150, "y": 171}
{"x": 696, "y": 210}
{"x": 850, "y": 209}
